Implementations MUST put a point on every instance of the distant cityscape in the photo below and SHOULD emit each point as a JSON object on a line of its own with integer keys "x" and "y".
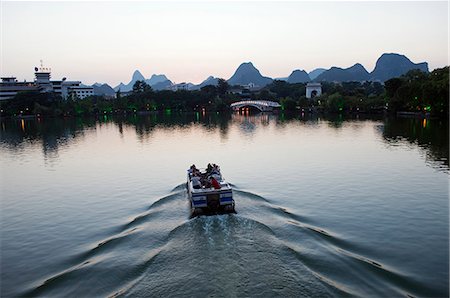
{"x": 247, "y": 76}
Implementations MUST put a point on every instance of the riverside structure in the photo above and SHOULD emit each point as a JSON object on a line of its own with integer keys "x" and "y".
{"x": 10, "y": 86}
{"x": 262, "y": 105}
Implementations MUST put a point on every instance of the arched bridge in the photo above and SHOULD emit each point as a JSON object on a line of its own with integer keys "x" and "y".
{"x": 262, "y": 105}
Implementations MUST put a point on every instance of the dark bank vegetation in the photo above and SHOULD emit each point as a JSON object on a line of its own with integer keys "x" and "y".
{"x": 418, "y": 91}
{"x": 415, "y": 92}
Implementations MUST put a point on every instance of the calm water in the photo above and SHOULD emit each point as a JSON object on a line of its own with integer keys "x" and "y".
{"x": 326, "y": 207}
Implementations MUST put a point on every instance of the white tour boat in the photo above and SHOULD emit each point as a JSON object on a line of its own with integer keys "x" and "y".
{"x": 209, "y": 193}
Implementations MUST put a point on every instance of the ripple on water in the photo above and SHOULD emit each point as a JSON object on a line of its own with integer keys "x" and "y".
{"x": 265, "y": 249}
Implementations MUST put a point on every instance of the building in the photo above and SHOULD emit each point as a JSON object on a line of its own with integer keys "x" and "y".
{"x": 77, "y": 92}
{"x": 42, "y": 78}
{"x": 9, "y": 86}
{"x": 181, "y": 86}
{"x": 126, "y": 93}
{"x": 313, "y": 90}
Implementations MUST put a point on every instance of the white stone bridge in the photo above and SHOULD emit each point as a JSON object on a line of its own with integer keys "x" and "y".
{"x": 262, "y": 105}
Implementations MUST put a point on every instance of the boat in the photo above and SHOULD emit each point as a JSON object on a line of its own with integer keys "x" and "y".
{"x": 209, "y": 193}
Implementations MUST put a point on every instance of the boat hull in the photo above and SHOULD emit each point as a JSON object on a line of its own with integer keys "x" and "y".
{"x": 211, "y": 201}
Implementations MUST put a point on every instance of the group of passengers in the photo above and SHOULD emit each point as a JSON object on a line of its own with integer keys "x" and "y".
{"x": 207, "y": 179}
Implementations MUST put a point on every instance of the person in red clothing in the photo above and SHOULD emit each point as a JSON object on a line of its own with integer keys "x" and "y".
{"x": 214, "y": 183}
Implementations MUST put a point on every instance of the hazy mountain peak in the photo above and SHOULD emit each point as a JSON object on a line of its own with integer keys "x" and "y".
{"x": 316, "y": 72}
{"x": 391, "y": 65}
{"x": 156, "y": 79}
{"x": 211, "y": 80}
{"x": 247, "y": 73}
{"x": 158, "y": 76}
{"x": 357, "y": 65}
{"x": 103, "y": 89}
{"x": 121, "y": 86}
{"x": 298, "y": 76}
{"x": 137, "y": 76}
{"x": 356, "y": 72}
{"x": 247, "y": 66}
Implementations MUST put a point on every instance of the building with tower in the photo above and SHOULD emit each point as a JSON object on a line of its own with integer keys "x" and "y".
{"x": 10, "y": 86}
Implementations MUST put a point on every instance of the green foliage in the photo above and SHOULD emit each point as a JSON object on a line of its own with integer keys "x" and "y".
{"x": 31, "y": 102}
{"x": 210, "y": 91}
{"x": 140, "y": 87}
{"x": 283, "y": 89}
{"x": 305, "y": 102}
{"x": 417, "y": 91}
{"x": 335, "y": 102}
{"x": 288, "y": 104}
{"x": 280, "y": 88}
{"x": 392, "y": 86}
{"x": 222, "y": 87}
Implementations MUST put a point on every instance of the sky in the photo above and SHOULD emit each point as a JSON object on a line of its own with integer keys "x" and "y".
{"x": 188, "y": 41}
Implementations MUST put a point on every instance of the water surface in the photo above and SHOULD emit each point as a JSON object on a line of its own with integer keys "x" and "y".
{"x": 326, "y": 207}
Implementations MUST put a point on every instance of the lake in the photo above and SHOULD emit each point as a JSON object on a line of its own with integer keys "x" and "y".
{"x": 325, "y": 207}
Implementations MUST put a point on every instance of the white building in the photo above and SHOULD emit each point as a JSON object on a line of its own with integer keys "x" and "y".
{"x": 78, "y": 92}
{"x": 9, "y": 86}
{"x": 42, "y": 78}
{"x": 313, "y": 90}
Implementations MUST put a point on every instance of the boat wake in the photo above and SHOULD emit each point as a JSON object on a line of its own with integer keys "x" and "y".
{"x": 265, "y": 249}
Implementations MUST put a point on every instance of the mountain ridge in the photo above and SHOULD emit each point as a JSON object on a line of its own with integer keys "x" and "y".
{"x": 103, "y": 90}
{"x": 156, "y": 81}
{"x": 356, "y": 72}
{"x": 246, "y": 74}
{"x": 391, "y": 65}
{"x": 298, "y": 76}
{"x": 388, "y": 65}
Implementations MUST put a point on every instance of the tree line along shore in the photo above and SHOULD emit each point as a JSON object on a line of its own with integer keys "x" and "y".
{"x": 416, "y": 92}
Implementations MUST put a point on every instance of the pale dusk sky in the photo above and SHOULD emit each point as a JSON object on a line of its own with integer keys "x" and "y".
{"x": 189, "y": 41}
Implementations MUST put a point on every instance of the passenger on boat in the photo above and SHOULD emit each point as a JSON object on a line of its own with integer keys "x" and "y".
{"x": 206, "y": 183}
{"x": 209, "y": 168}
{"x": 196, "y": 182}
{"x": 215, "y": 169}
{"x": 215, "y": 184}
{"x": 192, "y": 169}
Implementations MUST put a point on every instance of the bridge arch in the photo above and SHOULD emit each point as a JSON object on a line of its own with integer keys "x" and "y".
{"x": 262, "y": 105}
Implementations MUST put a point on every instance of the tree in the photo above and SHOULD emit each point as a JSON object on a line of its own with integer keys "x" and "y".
{"x": 222, "y": 87}
{"x": 418, "y": 91}
{"x": 288, "y": 104}
{"x": 281, "y": 88}
{"x": 392, "y": 86}
{"x": 335, "y": 102}
{"x": 209, "y": 91}
{"x": 304, "y": 102}
{"x": 141, "y": 86}
{"x": 28, "y": 102}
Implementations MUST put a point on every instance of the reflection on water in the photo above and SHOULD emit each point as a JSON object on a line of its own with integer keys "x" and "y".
{"x": 326, "y": 207}
{"x": 432, "y": 136}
